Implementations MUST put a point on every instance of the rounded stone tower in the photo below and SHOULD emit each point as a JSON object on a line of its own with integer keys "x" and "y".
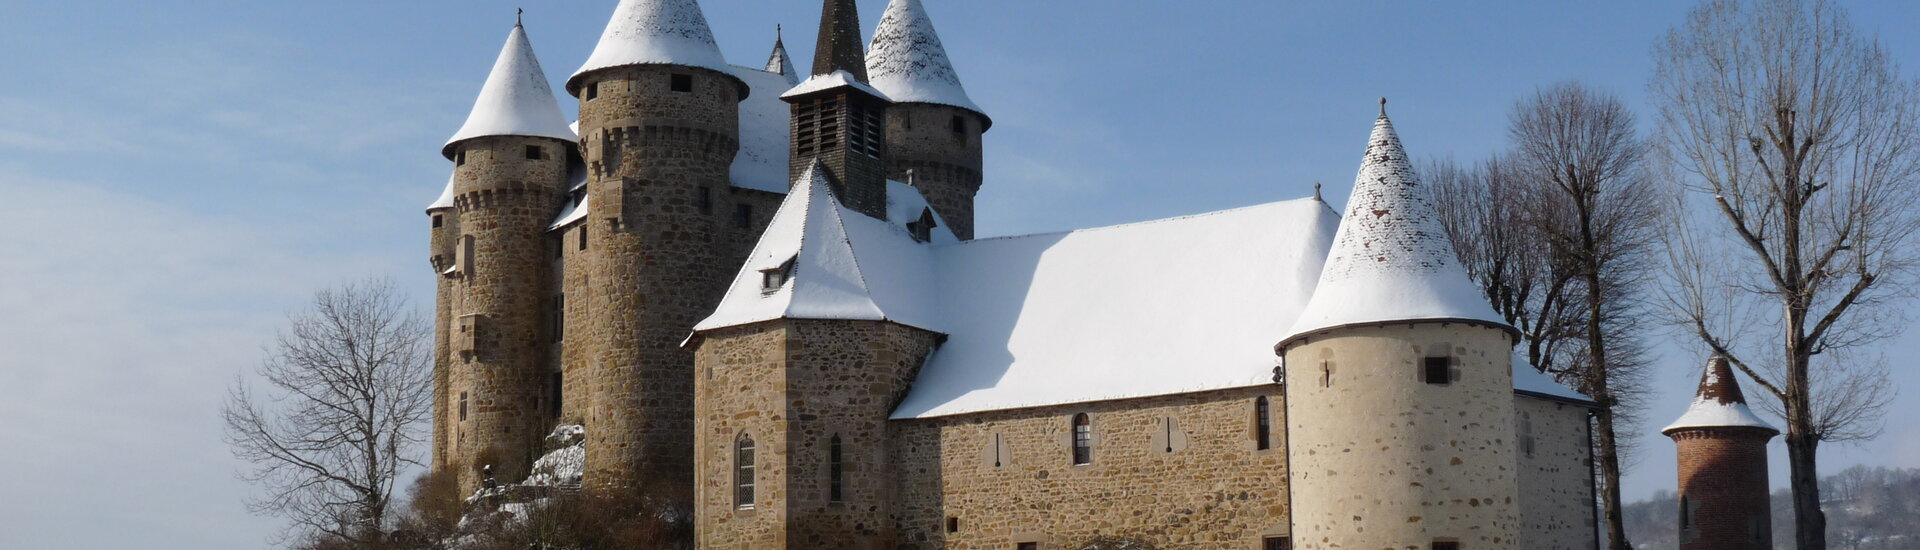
{"x": 1722, "y": 449}
{"x": 659, "y": 126}
{"x": 509, "y": 179}
{"x": 444, "y": 221}
{"x": 933, "y": 129}
{"x": 1399, "y": 390}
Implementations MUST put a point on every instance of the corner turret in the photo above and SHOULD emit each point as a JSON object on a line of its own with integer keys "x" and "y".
{"x": 779, "y": 62}
{"x": 1394, "y": 329}
{"x": 1722, "y": 449}
{"x": 933, "y": 129}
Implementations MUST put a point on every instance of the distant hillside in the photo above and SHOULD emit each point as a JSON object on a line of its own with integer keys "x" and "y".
{"x": 1867, "y": 509}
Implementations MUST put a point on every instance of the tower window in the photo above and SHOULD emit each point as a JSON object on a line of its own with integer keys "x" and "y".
{"x": 1326, "y": 374}
{"x": 463, "y": 406}
{"x": 743, "y": 216}
{"x": 1082, "y": 439}
{"x": 835, "y": 470}
{"x": 559, "y": 316}
{"x": 953, "y": 524}
{"x": 772, "y": 279}
{"x": 1276, "y": 543}
{"x": 583, "y": 237}
{"x": 959, "y": 124}
{"x": 1262, "y": 424}
{"x": 460, "y": 158}
{"x": 533, "y": 152}
{"x": 1526, "y": 434}
{"x": 1027, "y": 546}
{"x": 593, "y": 90}
{"x": 1436, "y": 370}
{"x": 743, "y": 472}
{"x": 681, "y": 82}
{"x": 437, "y": 222}
{"x": 1446, "y": 545}
{"x": 703, "y": 200}
{"x": 1686, "y": 515}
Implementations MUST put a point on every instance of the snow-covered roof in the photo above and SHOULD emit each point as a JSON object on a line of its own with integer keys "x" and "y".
{"x": 573, "y": 211}
{"x": 781, "y": 63}
{"x": 446, "y": 196}
{"x": 1391, "y": 260}
{"x": 655, "y": 32}
{"x": 761, "y": 163}
{"x": 516, "y": 100}
{"x": 907, "y": 62}
{"x": 835, "y": 79}
{"x": 1530, "y": 382}
{"x": 1719, "y": 403}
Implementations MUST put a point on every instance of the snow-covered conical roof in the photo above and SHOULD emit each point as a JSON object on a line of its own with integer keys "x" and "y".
{"x": 1391, "y": 260}
{"x": 654, "y": 32}
{"x": 781, "y": 63}
{"x": 516, "y": 100}
{"x": 1718, "y": 403}
{"x": 907, "y": 62}
{"x": 446, "y": 196}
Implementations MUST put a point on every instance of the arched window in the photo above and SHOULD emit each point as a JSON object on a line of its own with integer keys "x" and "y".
{"x": 1082, "y": 439}
{"x": 835, "y": 471}
{"x": 743, "y": 472}
{"x": 1262, "y": 424}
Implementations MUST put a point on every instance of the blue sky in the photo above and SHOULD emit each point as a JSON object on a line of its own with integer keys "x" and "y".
{"x": 175, "y": 176}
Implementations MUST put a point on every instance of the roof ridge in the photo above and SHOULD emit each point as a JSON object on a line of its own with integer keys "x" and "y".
{"x": 1135, "y": 223}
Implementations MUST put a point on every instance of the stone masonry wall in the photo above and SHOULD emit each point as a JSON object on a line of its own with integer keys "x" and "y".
{"x": 1382, "y": 459}
{"x": 741, "y": 384}
{"x": 1214, "y": 490}
{"x": 654, "y": 267}
{"x": 1556, "y": 490}
{"x": 1723, "y": 481}
{"x": 505, "y": 200}
{"x": 440, "y": 257}
{"x": 946, "y": 164}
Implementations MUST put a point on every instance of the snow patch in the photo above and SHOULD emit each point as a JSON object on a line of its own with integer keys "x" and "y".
{"x": 835, "y": 79}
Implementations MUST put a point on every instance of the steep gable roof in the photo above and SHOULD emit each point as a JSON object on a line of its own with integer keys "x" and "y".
{"x": 907, "y": 62}
{"x": 516, "y": 99}
{"x": 1391, "y": 260}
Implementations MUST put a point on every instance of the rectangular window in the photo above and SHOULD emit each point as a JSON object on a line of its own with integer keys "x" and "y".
{"x": 583, "y": 236}
{"x": 703, "y": 200}
{"x": 959, "y": 124}
{"x": 533, "y": 152}
{"x": 743, "y": 473}
{"x": 1436, "y": 370}
{"x": 1082, "y": 439}
{"x": 463, "y": 406}
{"x": 437, "y": 221}
{"x": 743, "y": 216}
{"x": 460, "y": 158}
{"x": 682, "y": 82}
{"x": 593, "y": 90}
{"x": 559, "y": 316}
{"x": 953, "y": 524}
{"x": 836, "y": 468}
{"x": 1445, "y": 545}
{"x": 1027, "y": 546}
{"x": 1276, "y": 543}
{"x": 1262, "y": 424}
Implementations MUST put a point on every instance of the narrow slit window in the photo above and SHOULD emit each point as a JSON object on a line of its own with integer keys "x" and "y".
{"x": 1326, "y": 374}
{"x": 1262, "y": 424}
{"x": 743, "y": 216}
{"x": 743, "y": 473}
{"x": 583, "y": 237}
{"x": 559, "y": 317}
{"x": 463, "y": 406}
{"x": 437, "y": 221}
{"x": 1437, "y": 370}
{"x": 1686, "y": 516}
{"x": 682, "y": 82}
{"x": 836, "y": 469}
{"x": 703, "y": 200}
{"x": 1082, "y": 439}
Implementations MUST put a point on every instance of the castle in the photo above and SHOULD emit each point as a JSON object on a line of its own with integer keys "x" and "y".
{"x": 760, "y": 293}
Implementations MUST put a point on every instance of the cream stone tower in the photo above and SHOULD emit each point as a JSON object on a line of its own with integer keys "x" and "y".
{"x": 510, "y": 173}
{"x": 659, "y": 121}
{"x": 1399, "y": 408}
{"x": 933, "y": 128}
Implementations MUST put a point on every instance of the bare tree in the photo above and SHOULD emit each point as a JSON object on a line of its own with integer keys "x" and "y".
{"x": 1484, "y": 210}
{"x": 1800, "y": 137}
{"x": 1585, "y": 189}
{"x": 347, "y": 386}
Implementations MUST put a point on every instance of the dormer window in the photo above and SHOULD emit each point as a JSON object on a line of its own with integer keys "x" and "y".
{"x": 681, "y": 82}
{"x": 772, "y": 279}
{"x": 922, "y": 229}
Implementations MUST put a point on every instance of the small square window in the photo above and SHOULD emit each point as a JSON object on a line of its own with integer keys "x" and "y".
{"x": 959, "y": 124}
{"x": 437, "y": 222}
{"x": 1436, "y": 370}
{"x": 682, "y": 82}
{"x": 533, "y": 152}
{"x": 1276, "y": 543}
{"x": 460, "y": 158}
{"x": 593, "y": 91}
{"x": 953, "y": 524}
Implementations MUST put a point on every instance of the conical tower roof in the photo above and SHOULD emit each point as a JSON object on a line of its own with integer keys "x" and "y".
{"x": 838, "y": 47}
{"x": 516, "y": 100}
{"x": 654, "y": 32}
{"x": 1391, "y": 260}
{"x": 446, "y": 196}
{"x": 907, "y": 62}
{"x": 779, "y": 62}
{"x": 1719, "y": 403}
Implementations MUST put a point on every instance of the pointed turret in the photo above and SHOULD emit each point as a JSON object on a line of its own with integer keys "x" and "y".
{"x": 1721, "y": 448}
{"x": 655, "y": 32}
{"x": 779, "y": 62}
{"x": 1391, "y": 260}
{"x": 839, "y": 46}
{"x": 1719, "y": 403}
{"x": 907, "y": 62}
{"x": 516, "y": 100}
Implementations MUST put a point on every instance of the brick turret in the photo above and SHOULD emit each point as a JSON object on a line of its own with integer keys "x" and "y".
{"x": 933, "y": 129}
{"x": 659, "y": 121}
{"x": 509, "y": 179}
{"x": 1722, "y": 448}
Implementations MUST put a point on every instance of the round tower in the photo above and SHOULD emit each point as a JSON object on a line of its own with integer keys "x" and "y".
{"x": 1722, "y": 449}
{"x": 933, "y": 129}
{"x": 659, "y": 126}
{"x": 1398, "y": 382}
{"x": 510, "y": 173}
{"x": 444, "y": 231}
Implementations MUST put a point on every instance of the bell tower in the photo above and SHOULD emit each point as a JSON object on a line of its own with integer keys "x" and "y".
{"x": 838, "y": 119}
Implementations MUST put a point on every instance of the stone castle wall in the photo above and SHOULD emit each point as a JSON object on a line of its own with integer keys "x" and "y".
{"x": 1001, "y": 478}
{"x": 945, "y": 160}
{"x": 1723, "y": 484}
{"x": 1556, "y": 504}
{"x": 1390, "y": 461}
